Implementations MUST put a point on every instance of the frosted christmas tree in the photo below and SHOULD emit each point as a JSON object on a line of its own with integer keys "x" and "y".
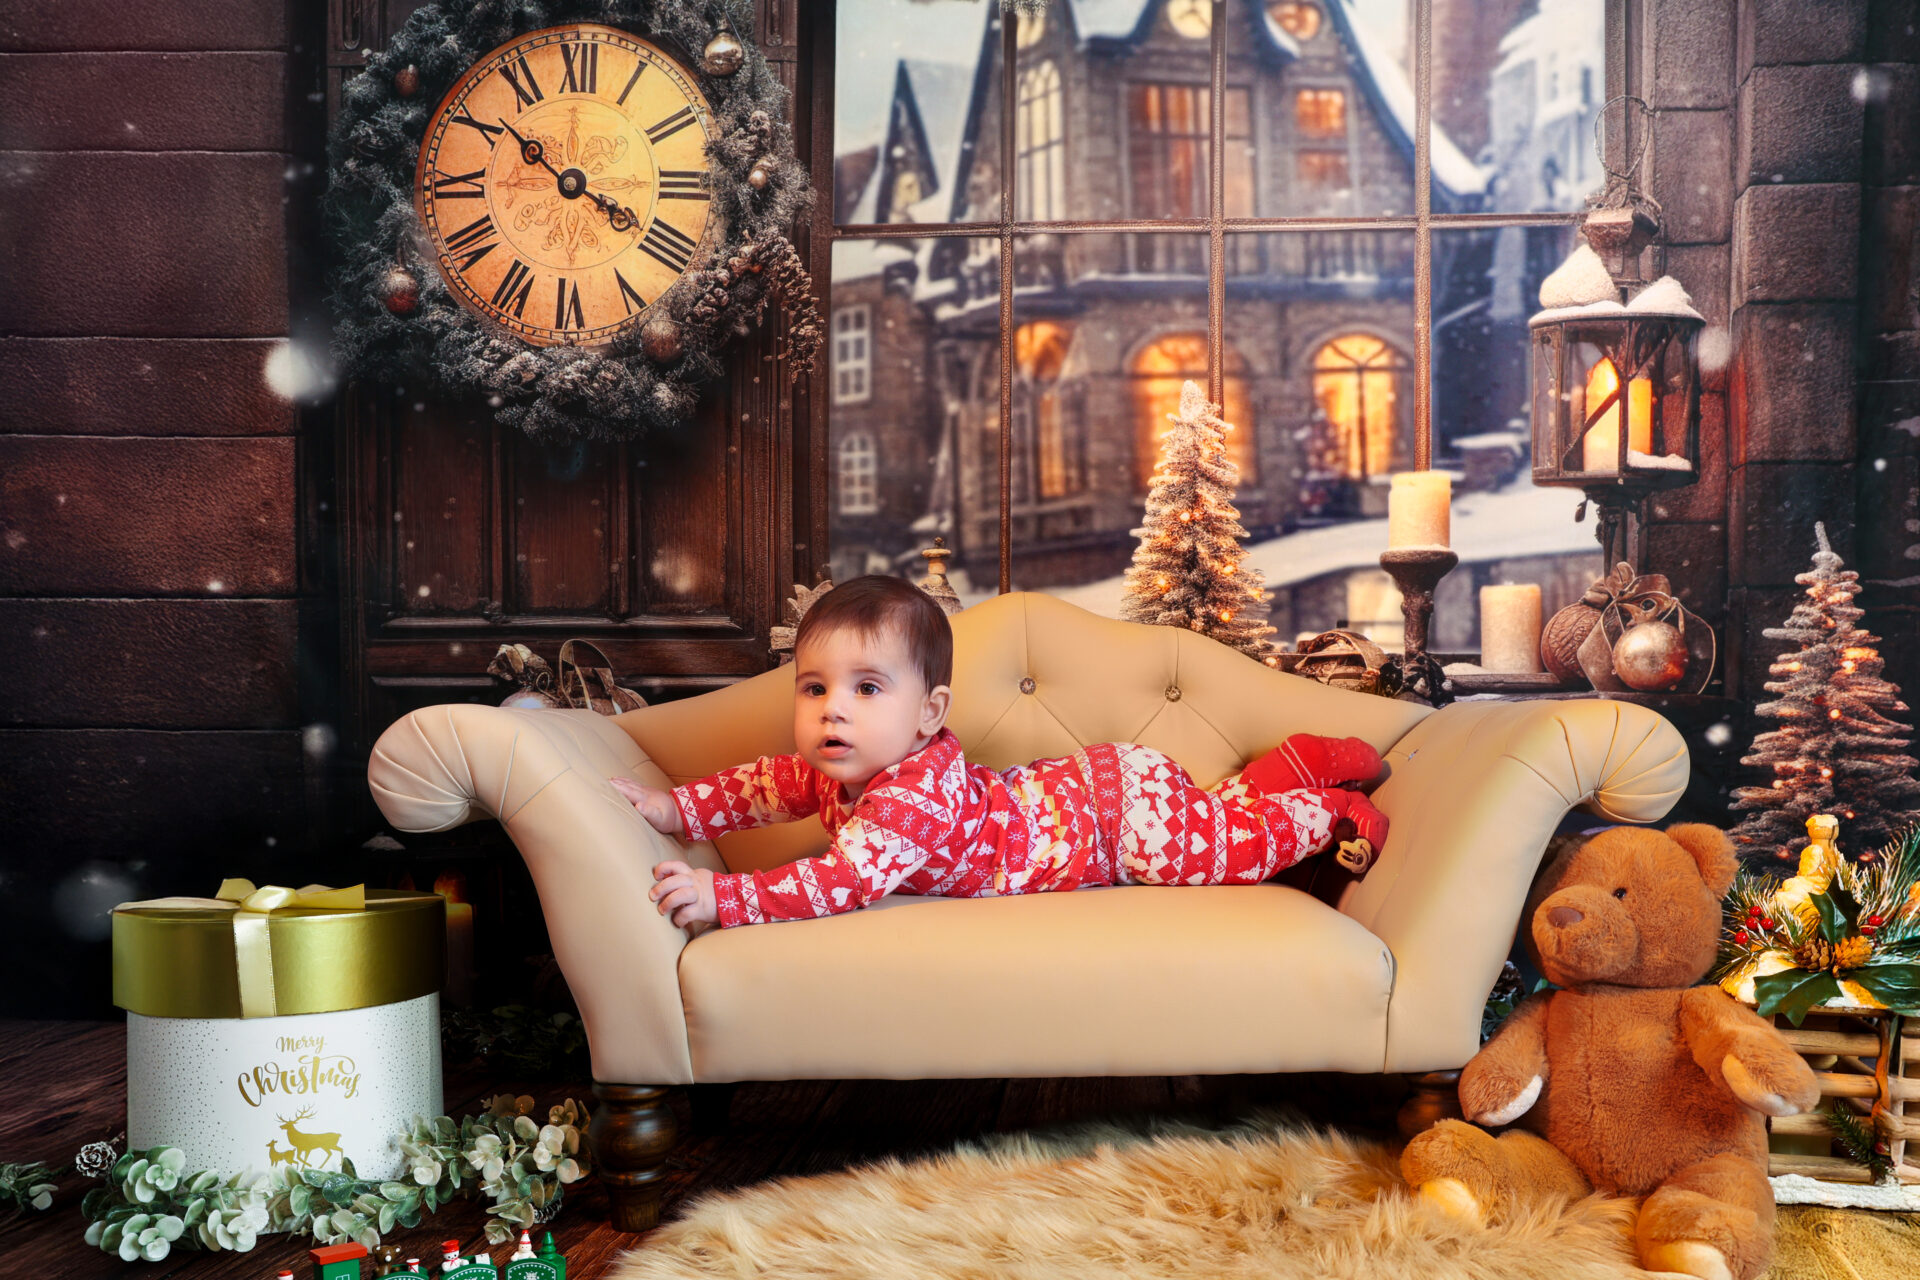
{"x": 1837, "y": 749}
{"x": 1190, "y": 568}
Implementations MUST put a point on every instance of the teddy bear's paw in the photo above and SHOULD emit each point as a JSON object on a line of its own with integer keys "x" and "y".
{"x": 1753, "y": 1091}
{"x": 1513, "y": 1109}
{"x": 1455, "y": 1198}
{"x": 1687, "y": 1258}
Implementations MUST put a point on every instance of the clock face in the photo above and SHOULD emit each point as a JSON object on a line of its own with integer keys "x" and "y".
{"x": 565, "y": 184}
{"x": 1191, "y": 18}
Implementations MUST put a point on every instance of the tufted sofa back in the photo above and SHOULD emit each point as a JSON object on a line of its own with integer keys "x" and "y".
{"x": 1036, "y": 677}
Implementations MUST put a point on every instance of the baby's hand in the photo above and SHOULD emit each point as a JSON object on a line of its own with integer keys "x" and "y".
{"x": 686, "y": 892}
{"x": 655, "y": 805}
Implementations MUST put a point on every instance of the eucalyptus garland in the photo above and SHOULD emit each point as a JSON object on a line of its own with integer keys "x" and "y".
{"x": 153, "y": 1203}
{"x": 559, "y": 392}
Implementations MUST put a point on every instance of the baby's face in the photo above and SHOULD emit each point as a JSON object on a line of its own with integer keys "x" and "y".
{"x": 860, "y": 705}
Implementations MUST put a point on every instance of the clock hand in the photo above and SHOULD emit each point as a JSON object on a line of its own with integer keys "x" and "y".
{"x": 572, "y": 183}
{"x": 533, "y": 152}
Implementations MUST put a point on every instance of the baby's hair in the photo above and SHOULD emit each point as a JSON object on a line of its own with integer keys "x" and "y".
{"x": 872, "y": 605}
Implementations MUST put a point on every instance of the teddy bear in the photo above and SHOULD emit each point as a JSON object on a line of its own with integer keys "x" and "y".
{"x": 1629, "y": 1079}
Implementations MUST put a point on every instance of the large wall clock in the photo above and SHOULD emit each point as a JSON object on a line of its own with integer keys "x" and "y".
{"x": 565, "y": 184}
{"x": 568, "y": 208}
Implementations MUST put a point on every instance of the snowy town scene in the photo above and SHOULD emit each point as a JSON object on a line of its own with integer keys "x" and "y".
{"x": 1110, "y": 125}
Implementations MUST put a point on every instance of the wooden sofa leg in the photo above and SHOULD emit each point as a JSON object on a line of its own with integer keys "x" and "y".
{"x": 630, "y": 1136}
{"x": 1436, "y": 1097}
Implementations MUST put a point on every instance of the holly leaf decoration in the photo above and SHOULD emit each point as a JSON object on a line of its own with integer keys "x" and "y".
{"x": 1793, "y": 992}
{"x": 1839, "y": 913}
{"x": 1897, "y": 986}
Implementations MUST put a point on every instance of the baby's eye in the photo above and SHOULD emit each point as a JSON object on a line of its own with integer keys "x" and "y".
{"x": 869, "y": 687}
{"x": 814, "y": 690}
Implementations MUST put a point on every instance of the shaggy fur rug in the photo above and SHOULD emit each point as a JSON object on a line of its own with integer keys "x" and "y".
{"x": 1270, "y": 1199}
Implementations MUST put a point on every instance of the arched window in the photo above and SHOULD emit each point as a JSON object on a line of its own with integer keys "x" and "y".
{"x": 859, "y": 475}
{"x": 1358, "y": 384}
{"x": 1159, "y": 370}
{"x": 1040, "y": 127}
{"x": 1050, "y": 449}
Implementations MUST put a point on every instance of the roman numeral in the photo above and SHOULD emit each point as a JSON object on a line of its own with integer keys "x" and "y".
{"x": 668, "y": 245}
{"x": 458, "y": 186}
{"x": 627, "y": 293}
{"x": 670, "y": 126}
{"x": 567, "y": 306}
{"x": 684, "y": 184}
{"x": 488, "y": 131}
{"x": 466, "y": 245}
{"x": 583, "y": 68}
{"x": 518, "y": 277}
{"x": 631, "y": 81}
{"x": 528, "y": 93}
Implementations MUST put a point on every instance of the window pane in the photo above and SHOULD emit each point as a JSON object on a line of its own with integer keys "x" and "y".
{"x": 1485, "y": 286}
{"x": 907, "y": 80}
{"x": 1330, "y": 108}
{"x": 918, "y": 449}
{"x": 1517, "y": 88}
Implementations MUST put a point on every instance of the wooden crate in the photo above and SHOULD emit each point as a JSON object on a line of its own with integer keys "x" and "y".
{"x": 1849, "y": 1050}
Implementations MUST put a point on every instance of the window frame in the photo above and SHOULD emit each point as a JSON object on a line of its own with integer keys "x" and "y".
{"x": 1622, "y": 34}
{"x": 870, "y": 475}
{"x": 864, "y": 365}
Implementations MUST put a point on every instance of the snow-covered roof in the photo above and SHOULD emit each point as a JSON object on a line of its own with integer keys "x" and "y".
{"x": 1386, "y": 82}
{"x": 1130, "y": 21}
{"x": 937, "y": 93}
{"x": 859, "y": 259}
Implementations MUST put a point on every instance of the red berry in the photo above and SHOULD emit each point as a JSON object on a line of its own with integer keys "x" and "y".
{"x": 1766, "y": 924}
{"x": 1741, "y": 937}
{"x": 1875, "y": 921}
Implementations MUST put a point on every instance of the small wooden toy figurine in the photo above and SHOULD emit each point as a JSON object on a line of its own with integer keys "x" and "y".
{"x": 337, "y": 1261}
{"x": 454, "y": 1267}
{"x": 528, "y": 1265}
{"x": 386, "y": 1261}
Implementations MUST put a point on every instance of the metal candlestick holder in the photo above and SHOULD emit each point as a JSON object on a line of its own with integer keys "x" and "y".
{"x": 1417, "y": 571}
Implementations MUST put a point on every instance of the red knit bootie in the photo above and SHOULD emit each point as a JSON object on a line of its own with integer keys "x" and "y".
{"x": 1369, "y": 823}
{"x": 1308, "y": 760}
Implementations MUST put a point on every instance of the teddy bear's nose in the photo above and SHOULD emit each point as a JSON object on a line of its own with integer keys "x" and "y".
{"x": 1561, "y": 917}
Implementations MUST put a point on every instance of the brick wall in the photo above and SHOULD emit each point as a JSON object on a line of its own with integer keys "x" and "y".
{"x": 150, "y": 580}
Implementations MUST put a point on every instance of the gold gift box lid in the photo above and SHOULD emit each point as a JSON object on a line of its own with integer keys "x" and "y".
{"x": 176, "y": 958}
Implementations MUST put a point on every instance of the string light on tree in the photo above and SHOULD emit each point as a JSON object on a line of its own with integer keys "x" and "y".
{"x": 1189, "y": 569}
{"x": 1853, "y": 759}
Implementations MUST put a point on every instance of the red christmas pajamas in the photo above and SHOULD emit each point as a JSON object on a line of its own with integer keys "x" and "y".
{"x": 1113, "y": 813}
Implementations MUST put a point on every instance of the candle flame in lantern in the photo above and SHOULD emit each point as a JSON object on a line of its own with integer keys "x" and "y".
{"x": 451, "y": 885}
{"x": 1601, "y": 448}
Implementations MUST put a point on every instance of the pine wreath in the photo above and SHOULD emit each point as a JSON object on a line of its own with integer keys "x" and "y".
{"x": 615, "y": 391}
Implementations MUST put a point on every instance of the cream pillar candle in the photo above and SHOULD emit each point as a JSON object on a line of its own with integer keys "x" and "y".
{"x": 1510, "y": 627}
{"x": 1417, "y": 512}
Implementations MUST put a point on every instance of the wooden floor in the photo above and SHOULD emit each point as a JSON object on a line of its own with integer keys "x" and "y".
{"x": 64, "y": 1085}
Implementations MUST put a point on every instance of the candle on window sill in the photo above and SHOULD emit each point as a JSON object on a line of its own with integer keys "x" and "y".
{"x": 1417, "y": 509}
{"x": 1510, "y": 627}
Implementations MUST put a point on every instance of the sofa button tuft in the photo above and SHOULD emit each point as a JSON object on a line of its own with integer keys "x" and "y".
{"x": 1173, "y": 693}
{"x": 1026, "y": 684}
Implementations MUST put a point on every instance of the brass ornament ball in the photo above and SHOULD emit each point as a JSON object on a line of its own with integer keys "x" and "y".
{"x": 660, "y": 339}
{"x": 1650, "y": 656}
{"x": 758, "y": 177}
{"x": 724, "y": 54}
{"x": 400, "y": 291}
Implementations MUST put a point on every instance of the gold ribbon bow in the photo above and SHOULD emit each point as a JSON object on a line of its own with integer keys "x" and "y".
{"x": 252, "y": 945}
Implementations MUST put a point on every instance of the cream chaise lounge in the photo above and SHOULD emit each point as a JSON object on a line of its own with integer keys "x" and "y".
{"x": 1103, "y": 982}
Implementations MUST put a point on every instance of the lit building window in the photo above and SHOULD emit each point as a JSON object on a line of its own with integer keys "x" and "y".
{"x": 1040, "y": 182}
{"x": 1158, "y": 372}
{"x": 1042, "y": 430}
{"x": 1322, "y": 168}
{"x": 859, "y": 475}
{"x": 1359, "y": 383}
{"x": 1301, "y": 21}
{"x": 1029, "y": 27}
{"x": 1168, "y": 148}
{"x": 852, "y": 355}
{"x": 1320, "y": 113}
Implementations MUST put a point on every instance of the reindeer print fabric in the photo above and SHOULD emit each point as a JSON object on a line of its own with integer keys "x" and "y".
{"x": 306, "y": 1090}
{"x": 1112, "y": 813}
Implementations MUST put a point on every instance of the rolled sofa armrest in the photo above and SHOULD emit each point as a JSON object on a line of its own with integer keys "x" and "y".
{"x": 544, "y": 774}
{"x": 1474, "y": 794}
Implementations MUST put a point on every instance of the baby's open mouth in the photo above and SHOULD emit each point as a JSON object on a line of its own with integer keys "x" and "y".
{"x": 835, "y": 744}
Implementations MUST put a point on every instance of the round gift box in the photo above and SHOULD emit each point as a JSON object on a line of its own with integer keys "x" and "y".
{"x": 349, "y": 1055}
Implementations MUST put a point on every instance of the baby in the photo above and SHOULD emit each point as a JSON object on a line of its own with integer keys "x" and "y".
{"x": 872, "y": 662}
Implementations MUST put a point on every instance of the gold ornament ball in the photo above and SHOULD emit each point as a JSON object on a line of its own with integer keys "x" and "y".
{"x": 660, "y": 339}
{"x": 1650, "y": 656}
{"x": 724, "y": 54}
{"x": 758, "y": 178}
{"x": 400, "y": 291}
{"x": 406, "y": 81}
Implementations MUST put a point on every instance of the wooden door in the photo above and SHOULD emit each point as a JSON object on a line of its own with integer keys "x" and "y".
{"x": 458, "y": 535}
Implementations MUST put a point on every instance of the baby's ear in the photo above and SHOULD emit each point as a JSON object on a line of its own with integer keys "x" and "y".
{"x": 1712, "y": 851}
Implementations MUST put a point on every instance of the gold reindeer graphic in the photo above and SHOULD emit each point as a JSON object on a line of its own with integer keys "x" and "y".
{"x": 307, "y": 1145}
{"x": 276, "y": 1156}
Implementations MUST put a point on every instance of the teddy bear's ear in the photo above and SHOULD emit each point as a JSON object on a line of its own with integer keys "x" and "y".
{"x": 1712, "y": 851}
